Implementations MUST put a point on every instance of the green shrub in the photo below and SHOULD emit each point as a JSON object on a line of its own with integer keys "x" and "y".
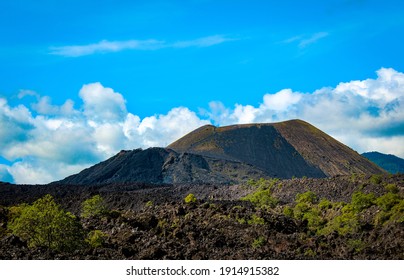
{"x": 361, "y": 201}
{"x": 394, "y": 215}
{"x": 307, "y": 197}
{"x": 397, "y": 212}
{"x": 392, "y": 188}
{"x": 255, "y": 220}
{"x": 190, "y": 198}
{"x": 346, "y": 223}
{"x": 96, "y": 238}
{"x": 309, "y": 253}
{"x": 259, "y": 242}
{"x": 93, "y": 207}
{"x": 149, "y": 203}
{"x": 288, "y": 211}
{"x": 356, "y": 244}
{"x": 324, "y": 204}
{"x": 314, "y": 219}
{"x": 300, "y": 209}
{"x": 376, "y": 179}
{"x": 45, "y": 224}
{"x": 262, "y": 197}
{"x": 387, "y": 201}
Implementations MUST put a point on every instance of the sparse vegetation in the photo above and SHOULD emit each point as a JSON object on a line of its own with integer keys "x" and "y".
{"x": 93, "y": 207}
{"x": 361, "y": 201}
{"x": 259, "y": 242}
{"x": 190, "y": 198}
{"x": 96, "y": 238}
{"x": 45, "y": 224}
{"x": 376, "y": 179}
{"x": 262, "y": 197}
{"x": 255, "y": 220}
{"x": 307, "y": 225}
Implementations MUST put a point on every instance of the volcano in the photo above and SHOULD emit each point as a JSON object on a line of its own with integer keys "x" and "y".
{"x": 232, "y": 154}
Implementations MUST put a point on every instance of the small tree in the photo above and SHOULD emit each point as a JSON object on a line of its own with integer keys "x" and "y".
{"x": 190, "y": 198}
{"x": 45, "y": 224}
{"x": 96, "y": 238}
{"x": 361, "y": 201}
{"x": 93, "y": 207}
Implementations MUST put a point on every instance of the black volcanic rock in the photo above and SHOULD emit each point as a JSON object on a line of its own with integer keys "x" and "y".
{"x": 390, "y": 163}
{"x": 163, "y": 166}
{"x": 259, "y": 145}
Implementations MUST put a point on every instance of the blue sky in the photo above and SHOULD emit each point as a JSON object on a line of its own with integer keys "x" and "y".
{"x": 180, "y": 64}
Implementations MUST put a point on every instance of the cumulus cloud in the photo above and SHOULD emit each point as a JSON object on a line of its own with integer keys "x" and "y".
{"x": 106, "y": 46}
{"x": 47, "y": 142}
{"x": 102, "y": 104}
{"x": 160, "y": 130}
{"x": 366, "y": 115}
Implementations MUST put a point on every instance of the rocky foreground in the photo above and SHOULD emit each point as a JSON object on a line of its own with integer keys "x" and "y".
{"x": 344, "y": 217}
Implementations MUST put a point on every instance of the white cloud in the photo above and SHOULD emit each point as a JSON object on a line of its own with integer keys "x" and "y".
{"x": 44, "y": 107}
{"x": 41, "y": 172}
{"x": 282, "y": 100}
{"x": 57, "y": 141}
{"x": 160, "y": 130}
{"x": 105, "y": 46}
{"x": 366, "y": 115}
{"x": 304, "y": 41}
{"x": 312, "y": 39}
{"x": 26, "y": 92}
{"x": 203, "y": 42}
{"x": 102, "y": 104}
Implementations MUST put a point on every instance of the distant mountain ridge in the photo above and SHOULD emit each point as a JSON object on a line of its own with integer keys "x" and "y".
{"x": 232, "y": 154}
{"x": 390, "y": 163}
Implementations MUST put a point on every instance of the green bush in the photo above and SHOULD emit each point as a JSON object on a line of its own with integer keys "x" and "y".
{"x": 376, "y": 179}
{"x": 307, "y": 197}
{"x": 346, "y": 223}
{"x": 300, "y": 209}
{"x": 324, "y": 204}
{"x": 255, "y": 220}
{"x": 190, "y": 198}
{"x": 96, "y": 238}
{"x": 45, "y": 224}
{"x": 288, "y": 211}
{"x": 397, "y": 212}
{"x": 310, "y": 253}
{"x": 361, "y": 201}
{"x": 394, "y": 215}
{"x": 387, "y": 201}
{"x": 262, "y": 197}
{"x": 314, "y": 219}
{"x": 93, "y": 207}
{"x": 259, "y": 242}
{"x": 392, "y": 188}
